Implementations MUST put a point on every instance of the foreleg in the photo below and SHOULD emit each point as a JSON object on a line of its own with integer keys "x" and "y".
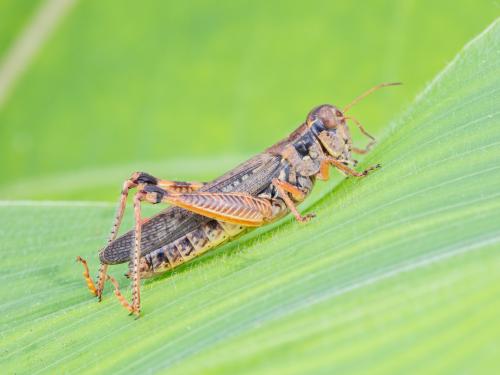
{"x": 368, "y": 135}
{"x": 324, "y": 171}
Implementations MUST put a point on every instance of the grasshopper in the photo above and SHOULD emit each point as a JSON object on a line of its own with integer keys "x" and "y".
{"x": 203, "y": 216}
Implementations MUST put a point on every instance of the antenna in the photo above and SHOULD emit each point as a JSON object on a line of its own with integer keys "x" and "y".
{"x": 365, "y": 94}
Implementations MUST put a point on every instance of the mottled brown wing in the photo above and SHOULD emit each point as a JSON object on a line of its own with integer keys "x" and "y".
{"x": 252, "y": 176}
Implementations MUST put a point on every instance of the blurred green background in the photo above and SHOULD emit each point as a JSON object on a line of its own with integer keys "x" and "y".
{"x": 185, "y": 90}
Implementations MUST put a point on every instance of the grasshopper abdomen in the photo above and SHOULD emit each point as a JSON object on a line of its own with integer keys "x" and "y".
{"x": 195, "y": 243}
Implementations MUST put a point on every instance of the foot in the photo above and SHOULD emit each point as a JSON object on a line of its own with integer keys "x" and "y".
{"x": 372, "y": 168}
{"x": 131, "y": 309}
{"x": 306, "y": 218}
{"x": 86, "y": 275}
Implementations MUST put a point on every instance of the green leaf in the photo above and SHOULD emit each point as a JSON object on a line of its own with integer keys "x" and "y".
{"x": 398, "y": 273}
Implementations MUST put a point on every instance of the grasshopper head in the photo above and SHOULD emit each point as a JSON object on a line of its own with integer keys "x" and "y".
{"x": 329, "y": 125}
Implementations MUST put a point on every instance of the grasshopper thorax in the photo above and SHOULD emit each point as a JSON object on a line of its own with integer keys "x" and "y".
{"x": 329, "y": 126}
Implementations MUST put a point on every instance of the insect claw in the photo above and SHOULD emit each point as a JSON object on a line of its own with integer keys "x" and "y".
{"x": 307, "y": 218}
{"x": 310, "y": 216}
{"x": 372, "y": 168}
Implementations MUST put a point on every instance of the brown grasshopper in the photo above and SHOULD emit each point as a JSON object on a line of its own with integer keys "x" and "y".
{"x": 205, "y": 215}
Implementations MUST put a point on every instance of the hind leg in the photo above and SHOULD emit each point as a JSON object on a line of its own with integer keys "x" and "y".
{"x": 136, "y": 179}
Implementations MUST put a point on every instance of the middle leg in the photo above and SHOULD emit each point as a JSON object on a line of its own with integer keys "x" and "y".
{"x": 284, "y": 188}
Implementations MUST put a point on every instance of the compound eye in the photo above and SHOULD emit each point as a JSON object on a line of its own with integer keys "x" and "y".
{"x": 338, "y": 113}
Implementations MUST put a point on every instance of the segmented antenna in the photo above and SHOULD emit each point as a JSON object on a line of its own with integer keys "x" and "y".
{"x": 365, "y": 94}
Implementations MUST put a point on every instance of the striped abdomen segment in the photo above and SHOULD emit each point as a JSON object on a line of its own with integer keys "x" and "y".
{"x": 193, "y": 244}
